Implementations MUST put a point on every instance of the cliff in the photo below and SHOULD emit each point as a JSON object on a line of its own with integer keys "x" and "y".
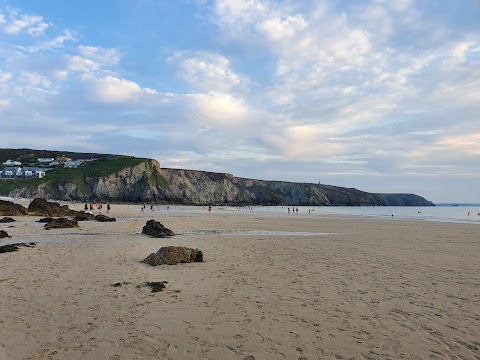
{"x": 404, "y": 200}
{"x": 129, "y": 179}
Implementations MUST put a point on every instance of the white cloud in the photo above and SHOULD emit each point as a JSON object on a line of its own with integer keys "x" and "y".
{"x": 32, "y": 25}
{"x": 54, "y": 43}
{"x": 5, "y": 76}
{"x": 80, "y": 64}
{"x": 239, "y": 11}
{"x": 111, "y": 89}
{"x": 206, "y": 71}
{"x": 99, "y": 54}
{"x": 34, "y": 80}
{"x": 218, "y": 110}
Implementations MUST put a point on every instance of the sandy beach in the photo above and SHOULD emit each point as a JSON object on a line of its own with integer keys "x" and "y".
{"x": 271, "y": 287}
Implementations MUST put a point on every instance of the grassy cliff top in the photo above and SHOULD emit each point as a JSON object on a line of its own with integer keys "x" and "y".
{"x": 96, "y": 168}
{"x": 30, "y": 155}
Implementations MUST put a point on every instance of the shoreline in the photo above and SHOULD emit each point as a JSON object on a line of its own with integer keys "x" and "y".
{"x": 435, "y": 214}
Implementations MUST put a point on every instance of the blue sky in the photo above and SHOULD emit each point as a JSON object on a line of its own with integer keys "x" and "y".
{"x": 379, "y": 95}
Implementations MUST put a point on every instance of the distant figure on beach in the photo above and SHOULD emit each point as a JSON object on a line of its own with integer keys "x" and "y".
{"x": 209, "y": 209}
{"x": 469, "y": 213}
{"x": 108, "y": 207}
{"x": 86, "y": 207}
{"x": 289, "y": 210}
{"x": 99, "y": 207}
{"x": 142, "y": 209}
{"x": 296, "y": 210}
{"x": 151, "y": 207}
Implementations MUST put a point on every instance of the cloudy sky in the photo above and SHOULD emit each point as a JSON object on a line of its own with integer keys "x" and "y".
{"x": 380, "y": 95}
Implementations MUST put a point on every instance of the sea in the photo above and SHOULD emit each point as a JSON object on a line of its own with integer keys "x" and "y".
{"x": 458, "y": 214}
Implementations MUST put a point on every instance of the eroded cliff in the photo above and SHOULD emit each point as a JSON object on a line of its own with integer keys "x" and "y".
{"x": 147, "y": 182}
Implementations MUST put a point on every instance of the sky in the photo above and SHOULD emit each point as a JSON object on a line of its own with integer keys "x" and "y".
{"x": 379, "y": 95}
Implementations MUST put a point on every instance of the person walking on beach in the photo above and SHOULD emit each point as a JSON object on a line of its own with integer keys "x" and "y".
{"x": 86, "y": 207}
{"x": 108, "y": 207}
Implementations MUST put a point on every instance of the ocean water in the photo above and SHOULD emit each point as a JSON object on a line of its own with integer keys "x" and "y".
{"x": 457, "y": 214}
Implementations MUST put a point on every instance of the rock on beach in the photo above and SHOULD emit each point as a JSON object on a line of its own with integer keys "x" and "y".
{"x": 61, "y": 223}
{"x": 8, "y": 208}
{"x": 172, "y": 255}
{"x": 43, "y": 207}
{"x": 156, "y": 229}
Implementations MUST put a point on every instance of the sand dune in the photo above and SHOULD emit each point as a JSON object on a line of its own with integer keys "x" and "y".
{"x": 369, "y": 288}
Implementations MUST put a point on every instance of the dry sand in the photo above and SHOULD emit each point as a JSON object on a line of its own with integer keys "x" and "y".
{"x": 376, "y": 289}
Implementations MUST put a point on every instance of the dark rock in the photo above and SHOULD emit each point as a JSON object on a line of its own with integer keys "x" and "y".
{"x": 120, "y": 284}
{"x": 4, "y": 234}
{"x": 156, "y": 286}
{"x": 83, "y": 216}
{"x": 7, "y": 220}
{"x": 44, "y": 207}
{"x": 14, "y": 247}
{"x": 153, "y": 260}
{"x": 172, "y": 255}
{"x": 104, "y": 218}
{"x": 46, "y": 220}
{"x": 8, "y": 208}
{"x": 61, "y": 223}
{"x": 156, "y": 229}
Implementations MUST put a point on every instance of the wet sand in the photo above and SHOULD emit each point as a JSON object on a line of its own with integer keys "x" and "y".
{"x": 354, "y": 288}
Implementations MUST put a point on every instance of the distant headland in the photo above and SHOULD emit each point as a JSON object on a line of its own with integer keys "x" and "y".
{"x": 73, "y": 176}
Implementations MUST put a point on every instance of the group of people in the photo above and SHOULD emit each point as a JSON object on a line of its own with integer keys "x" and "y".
{"x": 92, "y": 206}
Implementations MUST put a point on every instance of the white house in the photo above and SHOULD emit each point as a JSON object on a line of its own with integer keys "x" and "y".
{"x": 12, "y": 163}
{"x": 39, "y": 173}
{"x": 45, "y": 160}
{"x": 11, "y": 171}
{"x": 73, "y": 164}
{"x": 26, "y": 172}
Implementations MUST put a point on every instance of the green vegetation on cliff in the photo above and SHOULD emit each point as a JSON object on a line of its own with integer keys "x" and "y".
{"x": 91, "y": 169}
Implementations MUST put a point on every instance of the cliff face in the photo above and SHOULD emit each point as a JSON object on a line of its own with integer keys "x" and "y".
{"x": 216, "y": 188}
{"x": 131, "y": 184}
{"x": 147, "y": 182}
{"x": 404, "y": 200}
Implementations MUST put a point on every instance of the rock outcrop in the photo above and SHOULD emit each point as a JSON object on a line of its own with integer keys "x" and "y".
{"x": 83, "y": 216}
{"x": 156, "y": 229}
{"x": 8, "y": 208}
{"x": 61, "y": 223}
{"x": 104, "y": 218}
{"x": 172, "y": 255}
{"x": 14, "y": 247}
{"x": 42, "y": 207}
{"x": 4, "y": 234}
{"x": 6, "y": 220}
